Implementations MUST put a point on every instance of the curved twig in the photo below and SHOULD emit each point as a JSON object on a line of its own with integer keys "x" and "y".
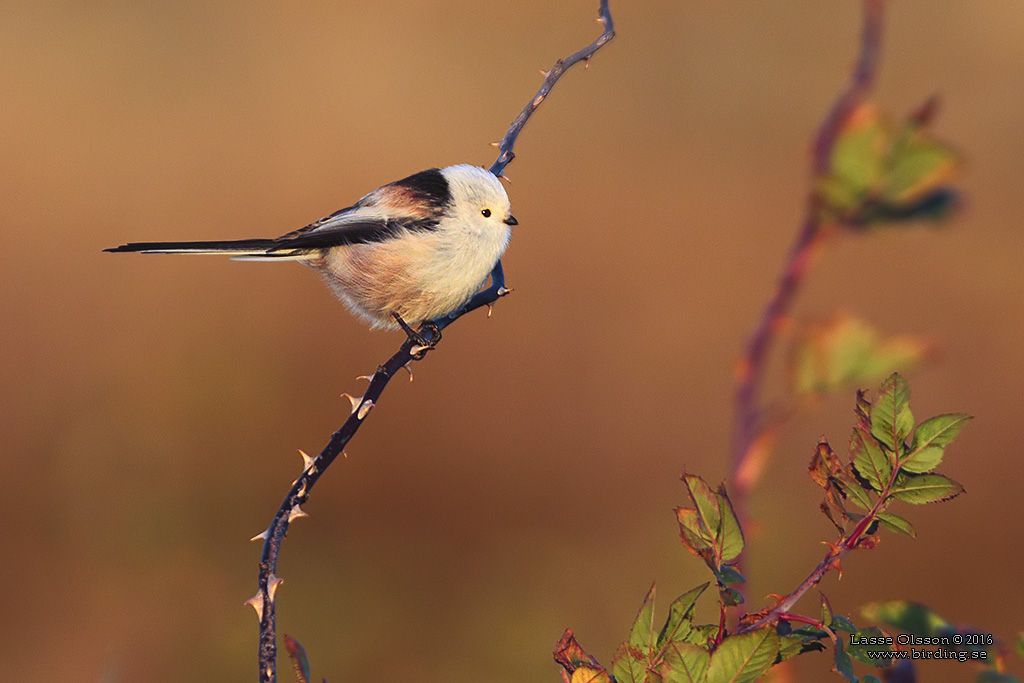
{"x": 505, "y": 153}
{"x": 274, "y": 535}
{"x": 748, "y": 421}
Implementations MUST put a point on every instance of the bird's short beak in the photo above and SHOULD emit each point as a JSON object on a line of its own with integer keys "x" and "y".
{"x": 511, "y": 220}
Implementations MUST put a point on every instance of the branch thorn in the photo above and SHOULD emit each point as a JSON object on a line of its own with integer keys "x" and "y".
{"x": 256, "y": 602}
{"x": 272, "y": 583}
{"x": 354, "y": 401}
{"x": 364, "y": 409}
{"x": 295, "y": 513}
{"x": 306, "y": 459}
{"x": 261, "y": 536}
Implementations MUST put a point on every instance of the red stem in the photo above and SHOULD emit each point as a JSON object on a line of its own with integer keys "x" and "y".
{"x": 748, "y": 421}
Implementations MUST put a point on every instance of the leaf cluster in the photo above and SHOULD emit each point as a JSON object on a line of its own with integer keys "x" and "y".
{"x": 879, "y": 172}
{"x": 891, "y": 458}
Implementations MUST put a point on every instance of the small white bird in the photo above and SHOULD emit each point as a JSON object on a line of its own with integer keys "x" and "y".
{"x": 407, "y": 253}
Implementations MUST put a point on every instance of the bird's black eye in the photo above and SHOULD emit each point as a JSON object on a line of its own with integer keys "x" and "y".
{"x": 486, "y": 213}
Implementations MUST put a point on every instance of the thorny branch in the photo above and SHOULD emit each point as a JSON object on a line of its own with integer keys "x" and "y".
{"x": 749, "y": 422}
{"x": 299, "y": 493}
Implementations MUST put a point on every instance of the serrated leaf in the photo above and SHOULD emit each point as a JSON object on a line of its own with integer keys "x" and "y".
{"x": 731, "y": 575}
{"x": 891, "y": 419}
{"x": 744, "y": 658}
{"x": 685, "y": 663}
{"x": 796, "y": 643}
{"x": 870, "y": 459}
{"x": 930, "y": 440}
{"x": 642, "y": 632}
{"x": 896, "y": 524}
{"x": 680, "y": 616}
{"x": 629, "y": 664}
{"x": 732, "y": 532}
{"x": 925, "y": 488}
{"x": 856, "y": 494}
{"x": 910, "y": 617}
{"x": 860, "y": 651}
{"x": 847, "y": 350}
{"x": 694, "y": 536}
{"x": 842, "y": 623}
{"x": 842, "y": 664}
{"x": 710, "y": 529}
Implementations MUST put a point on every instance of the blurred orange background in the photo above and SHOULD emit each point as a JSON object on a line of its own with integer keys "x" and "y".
{"x": 152, "y": 406}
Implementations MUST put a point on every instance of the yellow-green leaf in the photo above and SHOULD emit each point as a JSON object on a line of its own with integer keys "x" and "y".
{"x": 930, "y": 440}
{"x": 871, "y": 460}
{"x": 846, "y": 351}
{"x": 685, "y": 663}
{"x": 926, "y": 488}
{"x": 897, "y": 524}
{"x": 891, "y": 419}
{"x": 744, "y": 658}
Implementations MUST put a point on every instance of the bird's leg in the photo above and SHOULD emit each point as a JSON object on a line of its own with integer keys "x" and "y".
{"x": 417, "y": 338}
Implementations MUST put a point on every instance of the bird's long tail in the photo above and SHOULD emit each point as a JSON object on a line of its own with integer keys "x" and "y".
{"x": 254, "y": 249}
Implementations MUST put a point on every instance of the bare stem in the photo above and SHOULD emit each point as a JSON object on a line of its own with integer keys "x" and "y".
{"x": 748, "y": 423}
{"x": 300, "y": 490}
{"x": 505, "y": 153}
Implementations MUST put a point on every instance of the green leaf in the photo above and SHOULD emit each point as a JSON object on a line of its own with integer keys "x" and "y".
{"x": 842, "y": 664}
{"x": 873, "y": 463}
{"x": 917, "y": 168}
{"x": 732, "y": 533}
{"x": 633, "y": 657}
{"x": 930, "y": 440}
{"x": 858, "y": 495}
{"x": 731, "y": 575}
{"x": 710, "y": 529}
{"x": 679, "y": 623}
{"x": 858, "y": 160}
{"x": 630, "y": 665}
{"x": 841, "y": 623}
{"x": 731, "y": 597}
{"x": 925, "y": 488}
{"x": 695, "y": 537}
{"x": 1019, "y": 645}
{"x": 744, "y": 658}
{"x": 847, "y": 350}
{"x": 870, "y": 679}
{"x": 859, "y": 651}
{"x": 896, "y": 524}
{"x": 798, "y": 642}
{"x": 685, "y": 664}
{"x": 891, "y": 419}
{"x": 911, "y": 617}
{"x": 640, "y": 635}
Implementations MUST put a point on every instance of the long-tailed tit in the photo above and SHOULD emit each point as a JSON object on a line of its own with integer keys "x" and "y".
{"x": 407, "y": 253}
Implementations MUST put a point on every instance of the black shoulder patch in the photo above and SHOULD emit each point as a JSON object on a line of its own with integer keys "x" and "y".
{"x": 429, "y": 186}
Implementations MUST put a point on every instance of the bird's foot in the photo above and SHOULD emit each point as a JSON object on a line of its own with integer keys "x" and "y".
{"x": 421, "y": 344}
